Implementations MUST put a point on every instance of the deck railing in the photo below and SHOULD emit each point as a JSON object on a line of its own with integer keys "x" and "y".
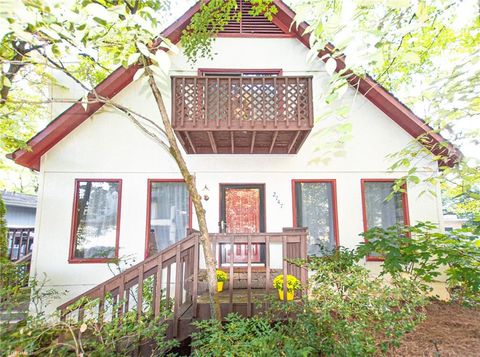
{"x": 172, "y": 276}
{"x": 20, "y": 242}
{"x": 267, "y": 102}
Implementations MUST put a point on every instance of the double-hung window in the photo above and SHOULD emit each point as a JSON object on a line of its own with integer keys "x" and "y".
{"x": 96, "y": 220}
{"x": 380, "y": 209}
{"x": 315, "y": 209}
{"x": 168, "y": 214}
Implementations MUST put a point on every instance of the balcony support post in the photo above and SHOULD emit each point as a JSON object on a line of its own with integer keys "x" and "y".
{"x": 212, "y": 142}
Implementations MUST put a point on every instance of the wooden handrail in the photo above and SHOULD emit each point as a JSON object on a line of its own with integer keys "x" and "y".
{"x": 174, "y": 273}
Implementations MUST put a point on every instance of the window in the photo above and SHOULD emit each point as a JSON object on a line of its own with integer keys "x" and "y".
{"x": 240, "y": 254}
{"x": 315, "y": 209}
{"x": 96, "y": 220}
{"x": 380, "y": 212}
{"x": 169, "y": 214}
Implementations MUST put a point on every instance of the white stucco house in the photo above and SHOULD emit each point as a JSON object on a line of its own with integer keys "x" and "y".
{"x": 245, "y": 120}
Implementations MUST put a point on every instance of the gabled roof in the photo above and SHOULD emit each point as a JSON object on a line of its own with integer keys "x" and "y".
{"x": 120, "y": 78}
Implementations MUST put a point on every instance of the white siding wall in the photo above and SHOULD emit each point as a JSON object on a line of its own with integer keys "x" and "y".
{"x": 108, "y": 145}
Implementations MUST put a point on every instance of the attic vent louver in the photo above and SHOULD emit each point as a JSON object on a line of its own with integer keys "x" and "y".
{"x": 251, "y": 24}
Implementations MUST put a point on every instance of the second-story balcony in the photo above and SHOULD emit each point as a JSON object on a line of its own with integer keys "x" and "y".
{"x": 242, "y": 115}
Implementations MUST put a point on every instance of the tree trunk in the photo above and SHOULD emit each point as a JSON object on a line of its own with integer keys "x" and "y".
{"x": 196, "y": 199}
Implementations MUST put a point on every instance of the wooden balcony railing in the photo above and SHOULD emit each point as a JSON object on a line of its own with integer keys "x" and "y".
{"x": 271, "y": 114}
{"x": 172, "y": 276}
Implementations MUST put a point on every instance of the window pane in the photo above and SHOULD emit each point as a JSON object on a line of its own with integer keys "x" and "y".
{"x": 169, "y": 214}
{"x": 96, "y": 224}
{"x": 314, "y": 207}
{"x": 381, "y": 212}
{"x": 240, "y": 254}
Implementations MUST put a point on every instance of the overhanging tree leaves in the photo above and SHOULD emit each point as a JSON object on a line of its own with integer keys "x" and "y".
{"x": 426, "y": 52}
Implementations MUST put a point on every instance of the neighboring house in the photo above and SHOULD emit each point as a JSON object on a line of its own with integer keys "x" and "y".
{"x": 245, "y": 120}
{"x": 21, "y": 209}
{"x": 451, "y": 222}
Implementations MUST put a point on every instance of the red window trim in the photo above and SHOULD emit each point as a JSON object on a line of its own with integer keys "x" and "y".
{"x": 364, "y": 209}
{"x": 73, "y": 238}
{"x": 333, "y": 182}
{"x": 149, "y": 192}
{"x": 277, "y": 71}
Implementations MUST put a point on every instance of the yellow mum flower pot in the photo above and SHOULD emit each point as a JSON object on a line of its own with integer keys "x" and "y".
{"x": 220, "y": 286}
{"x": 290, "y": 295}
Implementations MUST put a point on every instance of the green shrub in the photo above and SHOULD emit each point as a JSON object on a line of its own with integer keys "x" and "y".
{"x": 347, "y": 313}
{"x": 117, "y": 336}
{"x": 242, "y": 337}
{"x": 423, "y": 253}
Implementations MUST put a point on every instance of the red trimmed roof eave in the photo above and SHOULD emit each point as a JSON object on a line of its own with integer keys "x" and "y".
{"x": 120, "y": 78}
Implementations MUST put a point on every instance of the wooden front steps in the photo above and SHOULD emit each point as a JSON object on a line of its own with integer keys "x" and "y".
{"x": 173, "y": 277}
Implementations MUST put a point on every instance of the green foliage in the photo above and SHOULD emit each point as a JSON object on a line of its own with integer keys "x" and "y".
{"x": 122, "y": 335}
{"x": 293, "y": 283}
{"x": 198, "y": 37}
{"x": 426, "y": 53}
{"x": 351, "y": 314}
{"x": 424, "y": 253}
{"x": 347, "y": 313}
{"x": 243, "y": 337}
{"x": 221, "y": 276}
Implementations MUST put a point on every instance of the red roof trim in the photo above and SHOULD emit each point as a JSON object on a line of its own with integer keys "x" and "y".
{"x": 120, "y": 78}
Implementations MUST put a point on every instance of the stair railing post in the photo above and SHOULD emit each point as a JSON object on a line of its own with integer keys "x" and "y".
{"x": 140, "y": 292}
{"x": 178, "y": 291}
{"x": 195, "y": 274}
{"x": 231, "y": 281}
{"x": 157, "y": 300}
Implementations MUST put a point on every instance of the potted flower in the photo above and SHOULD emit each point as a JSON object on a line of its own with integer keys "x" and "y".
{"x": 221, "y": 278}
{"x": 293, "y": 284}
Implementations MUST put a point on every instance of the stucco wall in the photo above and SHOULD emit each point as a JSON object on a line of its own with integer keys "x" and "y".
{"x": 108, "y": 145}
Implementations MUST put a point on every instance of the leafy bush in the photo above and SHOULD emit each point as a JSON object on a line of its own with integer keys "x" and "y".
{"x": 40, "y": 335}
{"x": 293, "y": 283}
{"x": 242, "y": 337}
{"x": 424, "y": 253}
{"x": 124, "y": 335}
{"x": 350, "y": 314}
{"x": 347, "y": 313}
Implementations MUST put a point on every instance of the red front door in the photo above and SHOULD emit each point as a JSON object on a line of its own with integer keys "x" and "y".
{"x": 242, "y": 210}
{"x": 242, "y": 213}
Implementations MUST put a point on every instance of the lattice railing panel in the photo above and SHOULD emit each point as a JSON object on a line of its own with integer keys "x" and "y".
{"x": 223, "y": 102}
